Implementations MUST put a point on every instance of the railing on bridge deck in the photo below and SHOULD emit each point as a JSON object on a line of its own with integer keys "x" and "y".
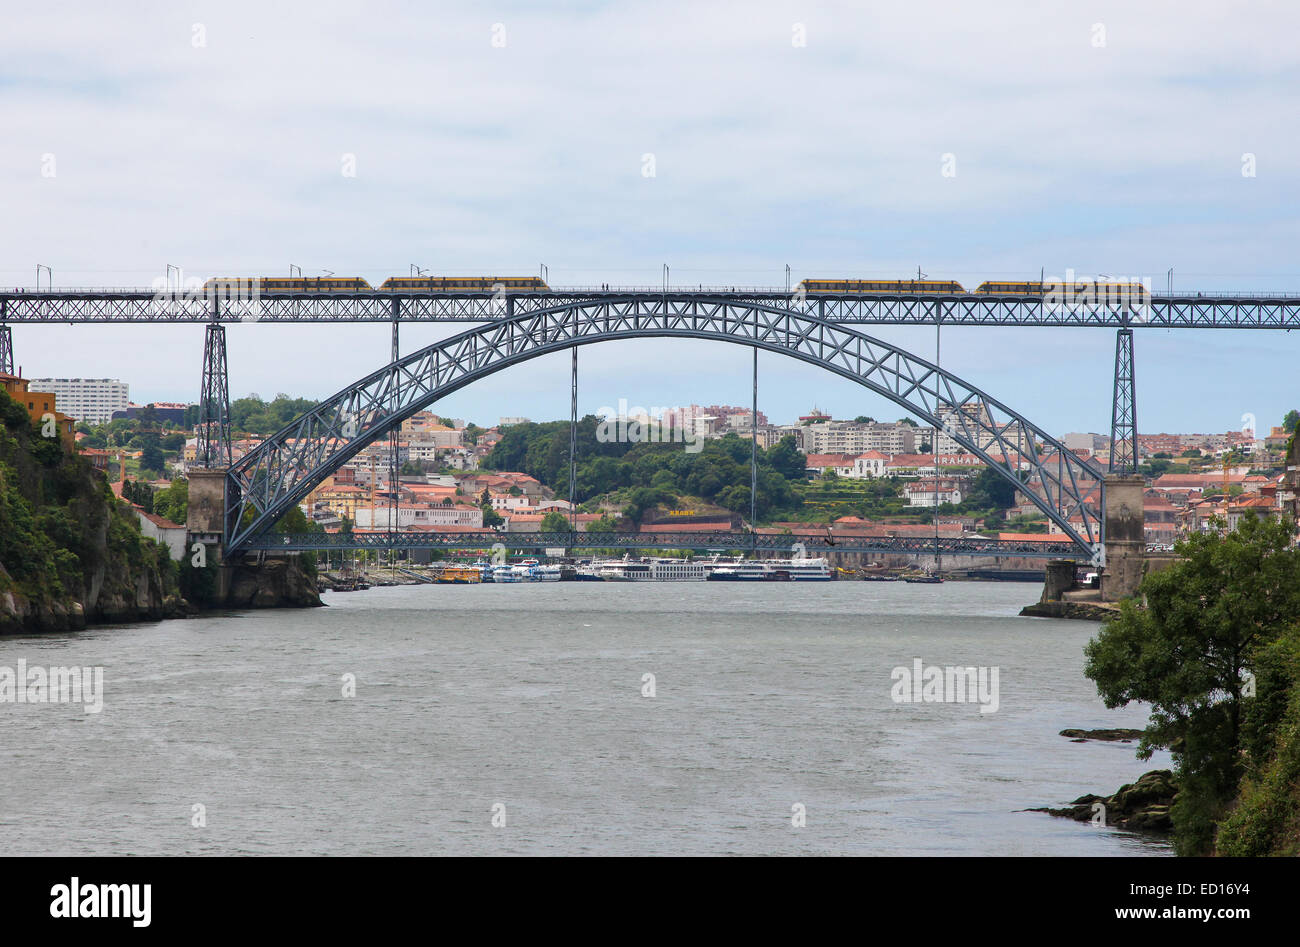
{"x": 1215, "y": 310}
{"x": 766, "y": 543}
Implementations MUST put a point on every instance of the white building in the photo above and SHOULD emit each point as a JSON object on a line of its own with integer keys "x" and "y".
{"x": 850, "y": 437}
{"x": 410, "y": 515}
{"x": 92, "y": 400}
{"x": 921, "y": 492}
{"x": 870, "y": 464}
{"x": 171, "y": 535}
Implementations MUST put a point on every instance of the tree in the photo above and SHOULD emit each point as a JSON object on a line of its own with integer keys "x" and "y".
{"x": 786, "y": 459}
{"x": 555, "y": 522}
{"x": 990, "y": 491}
{"x": 640, "y": 500}
{"x": 1291, "y": 421}
{"x": 491, "y": 518}
{"x": 907, "y": 421}
{"x": 1186, "y": 654}
{"x": 863, "y": 419}
{"x": 151, "y": 458}
{"x": 173, "y": 503}
{"x": 605, "y": 524}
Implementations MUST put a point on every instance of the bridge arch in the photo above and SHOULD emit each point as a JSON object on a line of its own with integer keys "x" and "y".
{"x": 281, "y": 471}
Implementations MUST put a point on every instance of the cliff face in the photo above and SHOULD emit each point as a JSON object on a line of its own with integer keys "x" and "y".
{"x": 70, "y": 552}
{"x": 276, "y": 583}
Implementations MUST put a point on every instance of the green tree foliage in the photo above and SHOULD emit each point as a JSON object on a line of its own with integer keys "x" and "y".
{"x": 151, "y": 458}
{"x": 605, "y": 524}
{"x": 718, "y": 473}
{"x": 554, "y": 522}
{"x": 1266, "y": 819}
{"x": 252, "y": 415}
{"x": 55, "y": 513}
{"x": 1206, "y": 622}
{"x": 990, "y": 491}
{"x": 1155, "y": 468}
{"x": 491, "y": 518}
{"x": 174, "y": 502}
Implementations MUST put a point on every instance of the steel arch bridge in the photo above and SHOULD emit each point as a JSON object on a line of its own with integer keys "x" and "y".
{"x": 279, "y": 473}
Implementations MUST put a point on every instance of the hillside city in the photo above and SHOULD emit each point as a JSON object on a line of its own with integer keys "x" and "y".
{"x": 672, "y": 470}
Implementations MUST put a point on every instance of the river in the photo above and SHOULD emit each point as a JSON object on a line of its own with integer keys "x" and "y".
{"x": 524, "y": 705}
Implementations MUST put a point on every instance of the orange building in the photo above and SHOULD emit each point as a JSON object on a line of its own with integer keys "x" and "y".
{"x": 40, "y": 405}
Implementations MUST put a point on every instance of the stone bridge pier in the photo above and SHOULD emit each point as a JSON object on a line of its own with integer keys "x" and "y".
{"x": 205, "y": 521}
{"x": 1126, "y": 546}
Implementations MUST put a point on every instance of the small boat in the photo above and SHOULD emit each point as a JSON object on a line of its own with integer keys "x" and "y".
{"x": 505, "y": 574}
{"x": 923, "y": 579}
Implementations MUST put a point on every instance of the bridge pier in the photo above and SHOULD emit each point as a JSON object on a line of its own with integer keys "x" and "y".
{"x": 1123, "y": 410}
{"x": 1125, "y": 540}
{"x": 205, "y": 522}
{"x": 6, "y": 350}
{"x": 214, "y": 401}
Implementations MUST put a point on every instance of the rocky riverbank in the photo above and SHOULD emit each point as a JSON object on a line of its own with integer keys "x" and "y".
{"x": 1087, "y": 611}
{"x": 275, "y": 583}
{"x": 1109, "y": 736}
{"x": 1142, "y": 806}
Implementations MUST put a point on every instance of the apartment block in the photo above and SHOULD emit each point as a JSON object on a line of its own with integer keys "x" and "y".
{"x": 92, "y": 400}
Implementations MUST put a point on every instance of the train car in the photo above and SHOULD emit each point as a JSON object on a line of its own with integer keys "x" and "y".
{"x": 1011, "y": 288}
{"x": 880, "y": 286}
{"x": 290, "y": 284}
{"x": 1095, "y": 290}
{"x": 464, "y": 284}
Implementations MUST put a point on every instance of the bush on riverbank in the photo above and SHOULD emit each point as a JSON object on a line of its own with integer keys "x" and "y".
{"x": 1209, "y": 652}
{"x": 1266, "y": 819}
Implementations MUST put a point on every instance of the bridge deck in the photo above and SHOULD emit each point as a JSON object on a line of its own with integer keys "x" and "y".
{"x": 1179, "y": 311}
{"x": 783, "y": 544}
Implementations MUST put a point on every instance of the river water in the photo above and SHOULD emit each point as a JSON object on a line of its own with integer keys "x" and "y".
{"x": 524, "y": 704}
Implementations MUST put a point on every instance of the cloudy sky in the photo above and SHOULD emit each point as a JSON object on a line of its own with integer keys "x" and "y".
{"x": 234, "y": 138}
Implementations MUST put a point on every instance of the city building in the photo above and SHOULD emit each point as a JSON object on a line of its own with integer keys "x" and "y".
{"x": 852, "y": 437}
{"x": 42, "y": 406}
{"x": 922, "y": 492}
{"x": 92, "y": 400}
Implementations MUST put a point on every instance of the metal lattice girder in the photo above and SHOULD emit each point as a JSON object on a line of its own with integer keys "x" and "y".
{"x": 896, "y": 545}
{"x": 287, "y": 466}
{"x": 1123, "y": 412}
{"x": 214, "y": 402}
{"x": 1241, "y": 311}
{"x": 6, "y": 350}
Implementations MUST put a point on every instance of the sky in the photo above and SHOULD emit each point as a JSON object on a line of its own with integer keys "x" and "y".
{"x": 605, "y": 140}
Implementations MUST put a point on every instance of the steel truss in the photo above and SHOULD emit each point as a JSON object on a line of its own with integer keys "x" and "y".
{"x": 6, "y": 350}
{"x": 974, "y": 546}
{"x": 213, "y": 426}
{"x": 287, "y": 466}
{"x": 1123, "y": 412}
{"x": 972, "y": 309}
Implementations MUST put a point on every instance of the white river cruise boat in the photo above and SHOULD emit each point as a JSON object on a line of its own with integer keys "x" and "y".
{"x": 771, "y": 570}
{"x": 652, "y": 570}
